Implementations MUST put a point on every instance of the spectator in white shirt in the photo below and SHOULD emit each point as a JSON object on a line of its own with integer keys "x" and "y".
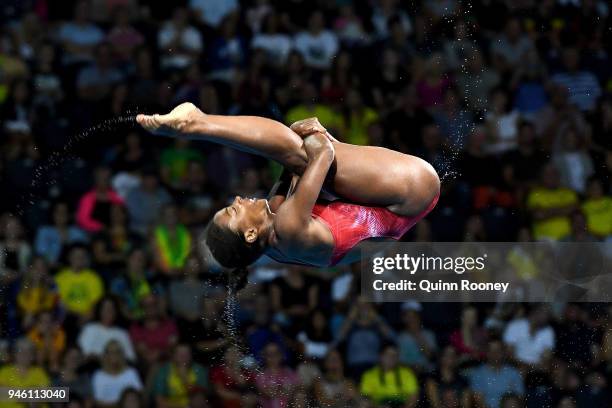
{"x": 276, "y": 45}
{"x": 511, "y": 47}
{"x": 317, "y": 45}
{"x": 531, "y": 339}
{"x": 179, "y": 42}
{"x": 79, "y": 36}
{"x": 96, "y": 335}
{"x": 582, "y": 85}
{"x": 114, "y": 376}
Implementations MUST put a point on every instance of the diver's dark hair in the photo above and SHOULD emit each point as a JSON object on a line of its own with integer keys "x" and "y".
{"x": 229, "y": 248}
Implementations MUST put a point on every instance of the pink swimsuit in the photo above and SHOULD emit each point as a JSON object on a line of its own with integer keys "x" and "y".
{"x": 352, "y": 223}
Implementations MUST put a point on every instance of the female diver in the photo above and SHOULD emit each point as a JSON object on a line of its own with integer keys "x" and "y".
{"x": 383, "y": 192}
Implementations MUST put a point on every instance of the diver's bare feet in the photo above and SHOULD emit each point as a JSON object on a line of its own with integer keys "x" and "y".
{"x": 307, "y": 127}
{"x": 175, "y": 123}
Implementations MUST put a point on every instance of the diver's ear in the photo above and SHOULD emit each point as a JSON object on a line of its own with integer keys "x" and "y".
{"x": 250, "y": 235}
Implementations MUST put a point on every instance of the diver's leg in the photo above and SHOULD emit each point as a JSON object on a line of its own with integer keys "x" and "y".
{"x": 364, "y": 174}
{"x": 252, "y": 134}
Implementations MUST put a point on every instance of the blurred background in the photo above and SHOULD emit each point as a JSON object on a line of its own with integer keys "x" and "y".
{"x": 100, "y": 290}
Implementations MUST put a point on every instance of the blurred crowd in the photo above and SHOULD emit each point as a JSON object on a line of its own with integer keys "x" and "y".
{"x": 102, "y": 291}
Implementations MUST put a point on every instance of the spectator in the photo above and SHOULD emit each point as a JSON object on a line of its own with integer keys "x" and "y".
{"x": 95, "y": 82}
{"x": 94, "y": 211}
{"x": 277, "y": 45}
{"x": 234, "y": 385}
{"x": 316, "y": 338}
{"x": 502, "y": 123}
{"x": 179, "y": 43}
{"x": 227, "y": 52}
{"x": 80, "y": 36}
{"x": 333, "y": 389}
{"x": 96, "y": 334}
{"x": 22, "y": 373}
{"x": 155, "y": 333}
{"x": 511, "y": 47}
{"x": 598, "y": 210}
{"x": 176, "y": 380}
{"x": 277, "y": 382}
{"x": 389, "y": 383}
{"x": 15, "y": 251}
{"x": 131, "y": 398}
{"x": 416, "y": 344}
{"x": 582, "y": 85}
{"x": 37, "y": 292}
{"x": 364, "y": 332}
{"x": 573, "y": 161}
{"x": 493, "y": 379}
{"x": 212, "y": 12}
{"x": 310, "y": 108}
{"x": 477, "y": 81}
{"x": 49, "y": 339}
{"x": 550, "y": 206}
{"x": 186, "y": 295}
{"x": 145, "y": 202}
{"x": 132, "y": 286}
{"x": 446, "y": 386}
{"x": 51, "y": 240}
{"x": 384, "y": 11}
{"x": 172, "y": 242}
{"x": 469, "y": 339}
{"x": 79, "y": 287}
{"x": 114, "y": 376}
{"x": 175, "y": 162}
{"x": 72, "y": 375}
{"x": 208, "y": 334}
{"x": 317, "y": 44}
{"x": 123, "y": 37}
{"x": 455, "y": 122}
{"x": 531, "y": 339}
{"x": 356, "y": 119}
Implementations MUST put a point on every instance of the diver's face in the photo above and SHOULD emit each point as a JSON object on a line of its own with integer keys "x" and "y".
{"x": 244, "y": 214}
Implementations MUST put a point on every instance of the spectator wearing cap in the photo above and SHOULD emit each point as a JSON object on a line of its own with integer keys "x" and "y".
{"x": 389, "y": 383}
{"x": 22, "y": 373}
{"x": 531, "y": 339}
{"x": 178, "y": 379}
{"x": 494, "y": 378}
{"x": 415, "y": 343}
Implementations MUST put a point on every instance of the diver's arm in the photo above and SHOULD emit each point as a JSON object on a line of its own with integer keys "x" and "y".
{"x": 298, "y": 208}
{"x": 280, "y": 189}
{"x": 251, "y": 134}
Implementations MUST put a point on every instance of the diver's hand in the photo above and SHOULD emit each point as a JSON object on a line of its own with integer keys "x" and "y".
{"x": 178, "y": 122}
{"x": 306, "y": 127}
{"x": 318, "y": 144}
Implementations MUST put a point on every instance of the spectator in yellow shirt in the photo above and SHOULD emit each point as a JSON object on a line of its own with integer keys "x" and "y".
{"x": 309, "y": 108}
{"x": 389, "y": 383}
{"x": 79, "y": 287}
{"x": 49, "y": 340}
{"x": 598, "y": 210}
{"x": 550, "y": 206}
{"x": 22, "y": 374}
{"x": 357, "y": 119}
